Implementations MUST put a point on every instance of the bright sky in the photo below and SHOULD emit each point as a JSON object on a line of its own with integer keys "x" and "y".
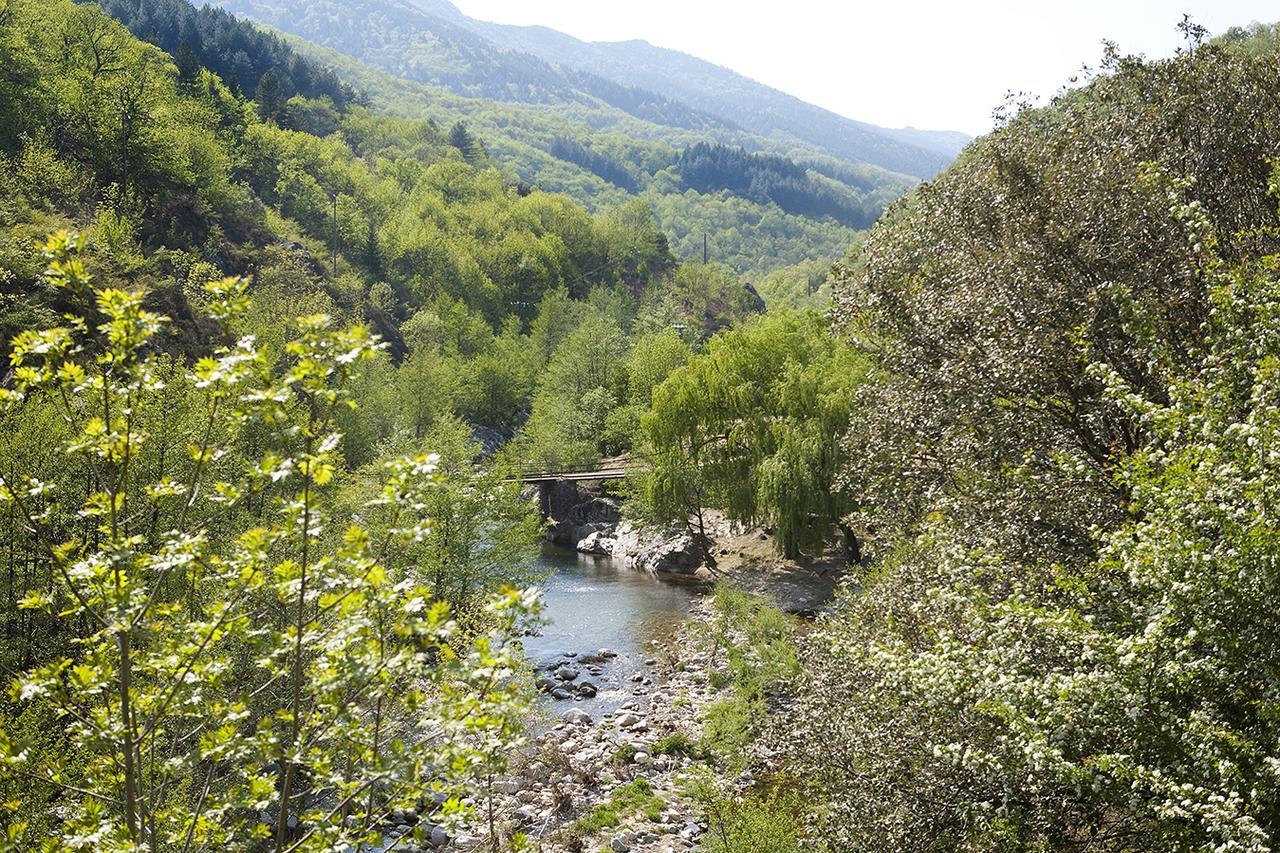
{"x": 935, "y": 65}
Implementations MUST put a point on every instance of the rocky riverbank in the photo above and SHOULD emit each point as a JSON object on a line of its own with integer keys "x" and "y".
{"x": 619, "y": 780}
{"x": 583, "y": 516}
{"x": 613, "y": 783}
{"x": 616, "y": 782}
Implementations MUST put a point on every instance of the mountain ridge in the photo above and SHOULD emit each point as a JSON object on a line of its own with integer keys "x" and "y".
{"x": 432, "y": 42}
{"x": 561, "y": 48}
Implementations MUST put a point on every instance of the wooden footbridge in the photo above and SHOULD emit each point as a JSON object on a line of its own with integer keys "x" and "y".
{"x": 610, "y": 469}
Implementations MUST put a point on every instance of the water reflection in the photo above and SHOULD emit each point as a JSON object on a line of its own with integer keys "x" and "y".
{"x": 591, "y": 604}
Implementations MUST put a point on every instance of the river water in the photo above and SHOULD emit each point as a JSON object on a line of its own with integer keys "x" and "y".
{"x": 592, "y": 604}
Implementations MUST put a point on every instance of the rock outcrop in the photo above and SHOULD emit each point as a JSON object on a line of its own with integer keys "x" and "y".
{"x": 575, "y": 511}
{"x": 664, "y": 552}
{"x": 582, "y": 517}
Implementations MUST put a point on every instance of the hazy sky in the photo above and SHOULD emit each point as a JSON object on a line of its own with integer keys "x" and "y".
{"x": 937, "y": 65}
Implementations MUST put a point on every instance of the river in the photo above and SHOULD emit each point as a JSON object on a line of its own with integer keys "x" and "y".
{"x": 592, "y": 604}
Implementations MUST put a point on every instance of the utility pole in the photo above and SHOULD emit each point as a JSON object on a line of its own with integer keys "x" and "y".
{"x": 706, "y": 255}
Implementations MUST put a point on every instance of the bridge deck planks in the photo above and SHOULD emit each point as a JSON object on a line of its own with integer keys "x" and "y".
{"x": 552, "y": 477}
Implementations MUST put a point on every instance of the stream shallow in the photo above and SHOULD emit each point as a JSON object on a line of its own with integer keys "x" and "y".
{"x": 592, "y": 604}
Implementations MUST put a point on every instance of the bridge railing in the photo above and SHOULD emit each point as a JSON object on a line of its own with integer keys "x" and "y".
{"x": 604, "y": 467}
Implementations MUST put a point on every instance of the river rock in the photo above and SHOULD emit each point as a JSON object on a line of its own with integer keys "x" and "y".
{"x": 567, "y": 673}
{"x": 576, "y": 717}
{"x": 596, "y": 542}
{"x": 508, "y": 786}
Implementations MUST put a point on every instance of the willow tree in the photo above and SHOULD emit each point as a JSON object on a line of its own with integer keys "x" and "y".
{"x": 752, "y": 427}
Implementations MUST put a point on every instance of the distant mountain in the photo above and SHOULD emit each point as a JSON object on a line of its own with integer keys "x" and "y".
{"x": 760, "y": 211}
{"x": 431, "y": 41}
{"x": 720, "y": 91}
{"x": 948, "y": 142}
{"x": 401, "y": 38}
{"x": 761, "y": 197}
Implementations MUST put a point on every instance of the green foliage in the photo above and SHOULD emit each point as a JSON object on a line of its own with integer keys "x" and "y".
{"x": 583, "y": 382}
{"x": 240, "y": 670}
{"x": 751, "y": 649}
{"x": 483, "y": 536}
{"x": 236, "y": 50}
{"x": 633, "y": 798}
{"x": 1065, "y": 458}
{"x": 270, "y": 96}
{"x": 600, "y": 151}
{"x": 118, "y": 114}
{"x": 1134, "y": 695}
{"x": 26, "y": 802}
{"x": 980, "y": 294}
{"x": 805, "y": 285}
{"x": 752, "y": 425}
{"x": 751, "y": 822}
{"x": 709, "y": 168}
{"x": 678, "y": 744}
{"x": 747, "y": 238}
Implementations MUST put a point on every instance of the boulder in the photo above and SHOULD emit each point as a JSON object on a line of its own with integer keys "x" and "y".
{"x": 576, "y": 717}
{"x": 677, "y": 555}
{"x": 596, "y": 543}
{"x": 657, "y": 550}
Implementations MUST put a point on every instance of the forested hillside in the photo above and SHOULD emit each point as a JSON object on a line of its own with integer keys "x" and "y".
{"x": 724, "y": 93}
{"x": 173, "y": 437}
{"x": 434, "y": 43}
{"x": 1063, "y": 466}
{"x": 233, "y": 49}
{"x": 599, "y": 140}
{"x": 1056, "y": 483}
{"x": 283, "y": 332}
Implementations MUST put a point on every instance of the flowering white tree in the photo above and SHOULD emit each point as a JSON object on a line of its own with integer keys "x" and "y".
{"x": 990, "y": 702}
